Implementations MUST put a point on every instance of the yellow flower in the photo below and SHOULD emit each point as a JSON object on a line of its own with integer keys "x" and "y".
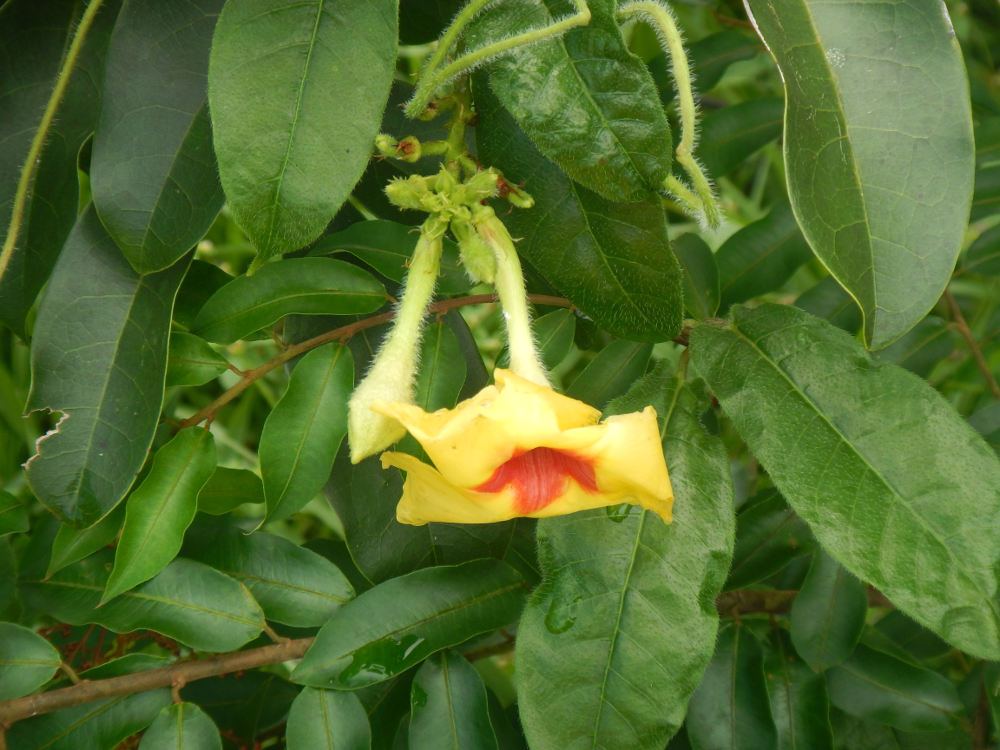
{"x": 521, "y": 449}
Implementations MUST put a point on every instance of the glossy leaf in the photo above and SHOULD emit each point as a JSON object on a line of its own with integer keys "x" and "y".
{"x": 296, "y": 104}
{"x": 13, "y": 515}
{"x": 202, "y": 280}
{"x": 799, "y": 703}
{"x": 27, "y": 661}
{"x": 316, "y": 286}
{"x": 588, "y": 103}
{"x": 906, "y": 634}
{"x": 160, "y": 509}
{"x": 397, "y": 624}
{"x": 246, "y": 707}
{"x": 631, "y": 598}
{"x": 153, "y": 173}
{"x": 228, "y": 489}
{"x": 828, "y": 613}
{"x": 610, "y": 373}
{"x": 877, "y": 115}
{"x": 701, "y": 275}
{"x": 387, "y": 246}
{"x": 882, "y": 688}
{"x": 99, "y": 357}
{"x": 187, "y": 601}
{"x": 768, "y": 536}
{"x": 181, "y": 726}
{"x": 730, "y": 708}
{"x": 442, "y": 369}
{"x": 327, "y": 718}
{"x": 730, "y": 135}
{"x": 303, "y": 432}
{"x": 613, "y": 260}
{"x": 892, "y": 481}
{"x": 761, "y": 256}
{"x": 72, "y": 544}
{"x": 33, "y": 39}
{"x": 192, "y": 361}
{"x": 449, "y": 710}
{"x": 292, "y": 584}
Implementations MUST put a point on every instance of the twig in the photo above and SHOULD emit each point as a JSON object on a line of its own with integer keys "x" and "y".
{"x": 963, "y": 328}
{"x": 176, "y": 674}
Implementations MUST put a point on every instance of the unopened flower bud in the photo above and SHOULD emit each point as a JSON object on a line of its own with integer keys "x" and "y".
{"x": 477, "y": 257}
{"x": 407, "y": 193}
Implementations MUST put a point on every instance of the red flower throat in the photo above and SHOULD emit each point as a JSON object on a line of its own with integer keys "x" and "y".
{"x": 539, "y": 476}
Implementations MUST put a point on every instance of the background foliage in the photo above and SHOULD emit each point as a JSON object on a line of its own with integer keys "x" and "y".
{"x": 199, "y": 262}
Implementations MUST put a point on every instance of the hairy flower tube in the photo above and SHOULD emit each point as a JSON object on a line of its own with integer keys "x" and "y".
{"x": 521, "y": 449}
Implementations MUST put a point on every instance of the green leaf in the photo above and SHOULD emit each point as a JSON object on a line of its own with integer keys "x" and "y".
{"x": 72, "y": 544}
{"x": 13, "y": 515}
{"x": 153, "y": 173}
{"x": 246, "y": 707}
{"x": 442, "y": 369}
{"x": 701, "y": 276}
{"x": 314, "y": 286}
{"x": 768, "y": 536}
{"x": 876, "y": 686}
{"x": 799, "y": 703}
{"x": 27, "y": 661}
{"x": 878, "y": 146}
{"x": 397, "y": 624}
{"x": 828, "y": 613}
{"x": 983, "y": 255}
{"x": 228, "y": 489}
{"x": 917, "y": 641}
{"x": 604, "y": 668}
{"x": 296, "y": 103}
{"x": 610, "y": 373}
{"x": 33, "y": 39}
{"x": 827, "y": 299}
{"x": 303, "y": 432}
{"x": 588, "y": 103}
{"x": 553, "y": 334}
{"x": 187, "y": 601}
{"x": 710, "y": 57}
{"x": 99, "y": 355}
{"x": 192, "y": 360}
{"x": 293, "y": 585}
{"x": 387, "y": 247}
{"x": 893, "y": 483}
{"x": 761, "y": 256}
{"x": 181, "y": 726}
{"x": 449, "y": 707}
{"x": 159, "y": 511}
{"x": 730, "y": 708}
{"x": 613, "y": 260}
{"x": 730, "y": 135}
{"x": 327, "y": 718}
{"x": 921, "y": 348}
{"x": 202, "y": 280}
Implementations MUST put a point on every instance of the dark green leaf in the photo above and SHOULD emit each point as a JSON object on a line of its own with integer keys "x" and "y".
{"x": 553, "y": 334}
{"x": 303, "y": 432}
{"x": 27, "y": 661}
{"x": 799, "y": 703}
{"x": 701, "y": 276}
{"x": 710, "y": 57}
{"x": 327, "y": 718}
{"x": 292, "y": 584}
{"x": 296, "y": 103}
{"x": 879, "y": 687}
{"x": 33, "y": 39}
{"x": 387, "y": 246}
{"x": 449, "y": 707}
{"x": 99, "y": 355}
{"x": 245, "y": 707}
{"x": 13, "y": 515}
{"x": 192, "y": 360}
{"x": 878, "y": 146}
{"x": 610, "y": 373}
{"x": 613, "y": 260}
{"x": 983, "y": 255}
{"x": 187, "y": 601}
{"x": 72, "y": 544}
{"x": 228, "y": 489}
{"x": 422, "y": 21}
{"x": 768, "y": 536}
{"x": 587, "y": 102}
{"x": 316, "y": 286}
{"x": 603, "y": 668}
{"x": 986, "y": 195}
{"x": 153, "y": 173}
{"x": 731, "y": 134}
{"x": 397, "y": 624}
{"x": 202, "y": 280}
{"x": 181, "y": 726}
{"x": 986, "y": 422}
{"x": 851, "y": 733}
{"x": 921, "y": 348}
{"x": 827, "y": 299}
{"x": 761, "y": 257}
{"x": 730, "y": 708}
{"x": 892, "y": 481}
{"x": 917, "y": 641}
{"x": 442, "y": 369}
{"x": 159, "y": 511}
{"x": 828, "y": 614}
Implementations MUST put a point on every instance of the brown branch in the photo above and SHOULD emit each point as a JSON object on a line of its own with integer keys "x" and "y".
{"x": 977, "y": 353}
{"x": 176, "y": 674}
